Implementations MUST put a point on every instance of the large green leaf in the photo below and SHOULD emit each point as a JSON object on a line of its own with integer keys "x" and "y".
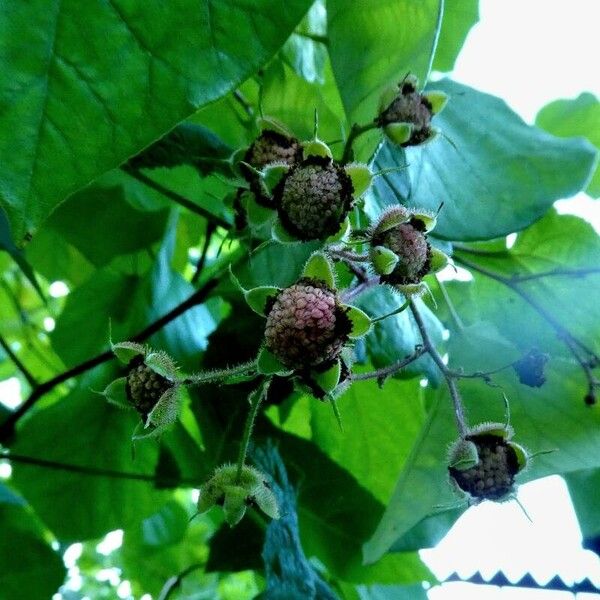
{"x": 91, "y": 433}
{"x": 87, "y": 86}
{"x": 579, "y": 116}
{"x": 30, "y": 568}
{"x": 459, "y": 17}
{"x": 373, "y": 44}
{"x": 371, "y": 446}
{"x": 583, "y": 489}
{"x": 494, "y": 175}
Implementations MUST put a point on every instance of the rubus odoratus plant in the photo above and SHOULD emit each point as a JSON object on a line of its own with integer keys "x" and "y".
{"x": 405, "y": 113}
{"x": 483, "y": 464}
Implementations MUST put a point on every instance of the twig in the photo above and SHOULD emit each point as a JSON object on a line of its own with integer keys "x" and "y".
{"x": 351, "y": 293}
{"x": 347, "y": 255}
{"x": 355, "y": 132}
{"x": 177, "y": 198}
{"x": 94, "y": 471}
{"x": 449, "y": 376}
{"x": 198, "y": 297}
{"x": 17, "y": 362}
{"x": 174, "y": 582}
{"x": 390, "y": 369}
{"x": 210, "y": 230}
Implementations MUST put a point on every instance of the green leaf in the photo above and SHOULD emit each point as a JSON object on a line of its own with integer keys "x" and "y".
{"x": 577, "y": 117}
{"x": 583, "y": 487}
{"x": 30, "y": 568}
{"x": 165, "y": 527}
{"x": 459, "y": 18}
{"x": 85, "y": 103}
{"x": 92, "y": 434}
{"x": 489, "y": 187}
{"x": 258, "y": 298}
{"x": 319, "y": 267}
{"x": 370, "y": 50}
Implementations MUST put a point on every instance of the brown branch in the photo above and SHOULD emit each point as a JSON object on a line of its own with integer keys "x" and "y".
{"x": 17, "y": 362}
{"x": 449, "y": 376}
{"x": 177, "y": 198}
{"x": 95, "y": 471}
{"x": 210, "y": 230}
{"x": 7, "y": 427}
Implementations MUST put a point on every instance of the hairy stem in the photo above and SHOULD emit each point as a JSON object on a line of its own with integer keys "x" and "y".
{"x": 218, "y": 374}
{"x": 198, "y": 297}
{"x": 449, "y": 376}
{"x": 355, "y": 132}
{"x": 390, "y": 369}
{"x": 255, "y": 398}
{"x": 351, "y": 293}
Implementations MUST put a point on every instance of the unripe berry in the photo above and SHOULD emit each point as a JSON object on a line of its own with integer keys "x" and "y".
{"x": 313, "y": 198}
{"x": 498, "y": 461}
{"x": 408, "y": 241}
{"x": 409, "y": 106}
{"x": 306, "y": 325}
{"x": 145, "y": 387}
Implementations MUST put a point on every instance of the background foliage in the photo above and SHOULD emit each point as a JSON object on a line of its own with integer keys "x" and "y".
{"x": 83, "y": 89}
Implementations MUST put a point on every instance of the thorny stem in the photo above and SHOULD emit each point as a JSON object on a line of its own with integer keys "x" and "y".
{"x": 566, "y": 336}
{"x": 347, "y": 255}
{"x": 94, "y": 471}
{"x": 390, "y": 369}
{"x": 198, "y": 297}
{"x": 449, "y": 376}
{"x": 177, "y": 198}
{"x": 355, "y": 132}
{"x": 17, "y": 362}
{"x": 216, "y": 375}
{"x": 255, "y": 398}
{"x": 174, "y": 582}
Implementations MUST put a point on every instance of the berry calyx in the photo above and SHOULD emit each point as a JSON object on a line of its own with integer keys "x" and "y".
{"x": 306, "y": 325}
{"x": 313, "y": 198}
{"x": 145, "y": 387}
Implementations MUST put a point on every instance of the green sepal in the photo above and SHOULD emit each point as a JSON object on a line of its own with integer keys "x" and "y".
{"x": 522, "y": 455}
{"x": 433, "y": 133}
{"x": 116, "y": 393}
{"x": 125, "y": 351}
{"x": 463, "y": 455}
{"x": 437, "y": 99}
{"x": 412, "y": 290}
{"x": 428, "y": 219}
{"x": 387, "y": 97}
{"x": 266, "y": 501}
{"x": 438, "y": 260}
{"x": 256, "y": 214}
{"x": 390, "y": 218}
{"x": 361, "y": 178}
{"x": 398, "y": 133}
{"x": 257, "y": 298}
{"x": 336, "y": 412}
{"x": 234, "y": 506}
{"x": 318, "y": 266}
{"x": 272, "y": 174}
{"x": 328, "y": 380}
{"x": 383, "y": 259}
{"x": 268, "y": 364}
{"x": 342, "y": 233}
{"x": 490, "y": 428}
{"x": 281, "y": 234}
{"x": 316, "y": 148}
{"x": 361, "y": 322}
{"x": 166, "y": 410}
{"x": 146, "y": 432}
{"x": 161, "y": 363}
